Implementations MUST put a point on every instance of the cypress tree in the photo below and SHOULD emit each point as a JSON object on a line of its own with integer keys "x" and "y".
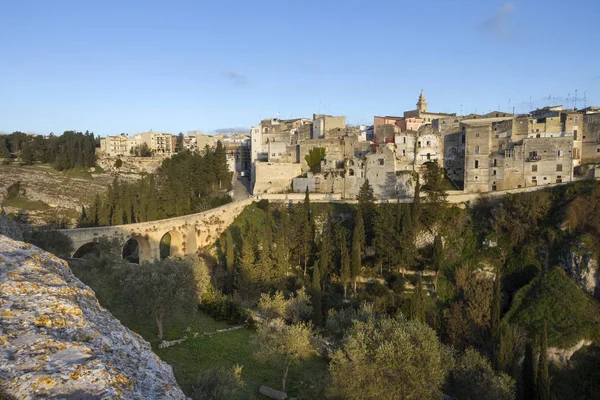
{"x": 317, "y": 296}
{"x": 229, "y": 261}
{"x": 325, "y": 255}
{"x": 543, "y": 381}
{"x": 247, "y": 266}
{"x": 505, "y": 358}
{"x": 437, "y": 258}
{"x": 358, "y": 239}
{"x": 345, "y": 263}
{"x": 496, "y": 306}
{"x": 417, "y": 303}
{"x": 359, "y": 228}
{"x": 268, "y": 233}
{"x": 83, "y": 219}
{"x": 530, "y": 372}
{"x": 416, "y": 204}
{"x": 366, "y": 204}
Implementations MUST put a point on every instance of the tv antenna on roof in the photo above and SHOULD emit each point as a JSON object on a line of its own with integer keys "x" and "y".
{"x": 585, "y": 99}
{"x": 575, "y": 102}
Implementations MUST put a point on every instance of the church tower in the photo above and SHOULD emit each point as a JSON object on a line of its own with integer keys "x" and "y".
{"x": 422, "y": 103}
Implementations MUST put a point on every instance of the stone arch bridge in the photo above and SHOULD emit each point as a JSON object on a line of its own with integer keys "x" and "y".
{"x": 188, "y": 233}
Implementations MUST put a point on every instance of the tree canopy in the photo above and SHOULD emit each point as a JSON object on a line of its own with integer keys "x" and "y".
{"x": 389, "y": 358}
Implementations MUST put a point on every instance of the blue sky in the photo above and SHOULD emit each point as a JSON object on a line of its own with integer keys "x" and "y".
{"x": 129, "y": 66}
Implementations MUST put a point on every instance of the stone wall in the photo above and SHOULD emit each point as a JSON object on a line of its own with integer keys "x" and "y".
{"x": 274, "y": 177}
{"x": 58, "y": 342}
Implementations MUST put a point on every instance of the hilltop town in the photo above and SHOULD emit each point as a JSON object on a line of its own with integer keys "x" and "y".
{"x": 479, "y": 152}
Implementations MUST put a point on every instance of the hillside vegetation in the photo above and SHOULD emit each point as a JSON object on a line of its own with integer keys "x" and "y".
{"x": 470, "y": 292}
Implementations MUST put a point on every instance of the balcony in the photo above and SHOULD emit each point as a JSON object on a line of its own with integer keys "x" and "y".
{"x": 533, "y": 158}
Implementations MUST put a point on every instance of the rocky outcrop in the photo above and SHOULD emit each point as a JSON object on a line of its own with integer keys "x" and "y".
{"x": 580, "y": 265}
{"x": 563, "y": 356}
{"x": 56, "y": 341}
{"x": 9, "y": 227}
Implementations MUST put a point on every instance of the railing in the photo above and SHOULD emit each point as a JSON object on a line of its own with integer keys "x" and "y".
{"x": 533, "y": 158}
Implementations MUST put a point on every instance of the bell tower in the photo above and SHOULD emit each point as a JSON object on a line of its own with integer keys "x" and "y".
{"x": 422, "y": 103}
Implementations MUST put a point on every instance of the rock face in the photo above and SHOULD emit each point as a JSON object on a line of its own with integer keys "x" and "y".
{"x": 8, "y": 227}
{"x": 56, "y": 341}
{"x": 580, "y": 266}
{"x": 563, "y": 356}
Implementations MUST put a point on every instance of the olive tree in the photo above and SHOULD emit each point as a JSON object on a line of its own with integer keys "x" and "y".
{"x": 282, "y": 345}
{"x": 163, "y": 287}
{"x": 474, "y": 378}
{"x": 389, "y": 358}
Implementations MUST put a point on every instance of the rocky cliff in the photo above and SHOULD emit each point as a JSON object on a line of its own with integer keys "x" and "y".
{"x": 581, "y": 266}
{"x": 56, "y": 341}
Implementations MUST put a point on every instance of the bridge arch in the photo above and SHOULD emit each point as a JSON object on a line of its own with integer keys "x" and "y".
{"x": 173, "y": 244}
{"x": 90, "y": 248}
{"x": 137, "y": 249}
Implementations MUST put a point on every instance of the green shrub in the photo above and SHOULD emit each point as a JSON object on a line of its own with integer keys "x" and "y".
{"x": 222, "y": 307}
{"x": 52, "y": 241}
{"x": 13, "y": 190}
{"x": 571, "y": 314}
{"x": 218, "y": 384}
{"x": 263, "y": 204}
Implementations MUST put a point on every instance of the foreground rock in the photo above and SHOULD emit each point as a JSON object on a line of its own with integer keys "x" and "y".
{"x": 56, "y": 341}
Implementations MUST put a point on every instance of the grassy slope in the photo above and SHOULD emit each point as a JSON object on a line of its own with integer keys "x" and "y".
{"x": 224, "y": 349}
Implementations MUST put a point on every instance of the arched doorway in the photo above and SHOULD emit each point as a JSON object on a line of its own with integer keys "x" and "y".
{"x": 136, "y": 250}
{"x": 88, "y": 250}
{"x": 172, "y": 244}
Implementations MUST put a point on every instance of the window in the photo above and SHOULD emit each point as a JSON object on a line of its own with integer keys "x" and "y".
{"x": 428, "y": 143}
{"x": 559, "y": 167}
{"x": 428, "y": 156}
{"x": 404, "y": 139}
{"x": 462, "y": 139}
{"x": 598, "y": 150}
{"x": 558, "y": 179}
{"x": 537, "y": 130}
{"x": 477, "y": 134}
{"x": 534, "y": 168}
{"x": 495, "y": 163}
{"x": 403, "y": 153}
{"x": 419, "y": 144}
{"x": 381, "y": 161}
{"x": 576, "y": 120}
{"x": 494, "y": 172}
{"x": 476, "y": 163}
{"x": 559, "y": 153}
{"x": 476, "y": 149}
{"x": 476, "y": 177}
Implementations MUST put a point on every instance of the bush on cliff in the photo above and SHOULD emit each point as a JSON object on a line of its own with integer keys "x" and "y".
{"x": 571, "y": 314}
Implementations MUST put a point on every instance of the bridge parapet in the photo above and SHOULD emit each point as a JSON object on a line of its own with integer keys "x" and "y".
{"x": 188, "y": 232}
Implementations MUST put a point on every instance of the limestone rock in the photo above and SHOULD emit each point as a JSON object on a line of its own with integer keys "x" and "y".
{"x": 563, "y": 356}
{"x": 9, "y": 227}
{"x": 579, "y": 264}
{"x": 56, "y": 341}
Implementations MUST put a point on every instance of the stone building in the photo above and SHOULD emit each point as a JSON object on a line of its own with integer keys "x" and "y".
{"x": 114, "y": 146}
{"x": 590, "y": 136}
{"x": 123, "y": 145}
{"x": 328, "y": 127}
{"x": 421, "y": 112}
{"x": 512, "y": 152}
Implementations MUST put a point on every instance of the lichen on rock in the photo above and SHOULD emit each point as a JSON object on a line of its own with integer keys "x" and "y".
{"x": 56, "y": 341}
